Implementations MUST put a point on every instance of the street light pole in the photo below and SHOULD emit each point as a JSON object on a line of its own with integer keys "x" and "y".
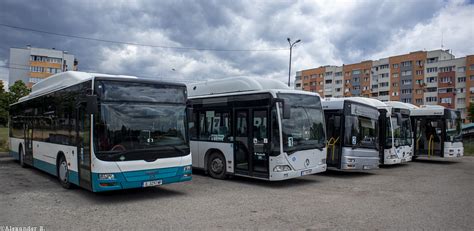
{"x": 291, "y": 48}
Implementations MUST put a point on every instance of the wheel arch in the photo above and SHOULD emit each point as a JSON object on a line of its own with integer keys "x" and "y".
{"x": 208, "y": 154}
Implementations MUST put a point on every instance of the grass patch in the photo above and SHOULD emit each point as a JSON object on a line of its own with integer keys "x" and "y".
{"x": 468, "y": 147}
{"x": 3, "y": 139}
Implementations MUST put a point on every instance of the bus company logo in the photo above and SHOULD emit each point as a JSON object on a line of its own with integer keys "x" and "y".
{"x": 306, "y": 163}
{"x": 293, "y": 159}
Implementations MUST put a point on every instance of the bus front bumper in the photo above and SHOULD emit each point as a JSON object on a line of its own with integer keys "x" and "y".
{"x": 359, "y": 163}
{"x": 277, "y": 176}
{"x": 140, "y": 179}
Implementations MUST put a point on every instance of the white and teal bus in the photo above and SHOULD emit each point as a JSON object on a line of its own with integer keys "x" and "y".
{"x": 103, "y": 132}
{"x": 255, "y": 127}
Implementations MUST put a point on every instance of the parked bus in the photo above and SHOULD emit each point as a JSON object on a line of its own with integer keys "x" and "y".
{"x": 256, "y": 128}
{"x": 352, "y": 131}
{"x": 437, "y": 131}
{"x": 103, "y": 132}
{"x": 398, "y": 143}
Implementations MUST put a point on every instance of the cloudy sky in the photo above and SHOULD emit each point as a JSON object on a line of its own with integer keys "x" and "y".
{"x": 234, "y": 38}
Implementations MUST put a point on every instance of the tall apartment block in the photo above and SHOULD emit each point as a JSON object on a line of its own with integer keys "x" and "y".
{"x": 420, "y": 77}
{"x": 31, "y": 65}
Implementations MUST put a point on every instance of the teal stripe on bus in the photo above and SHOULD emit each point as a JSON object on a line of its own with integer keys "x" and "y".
{"x": 51, "y": 169}
{"x": 15, "y": 155}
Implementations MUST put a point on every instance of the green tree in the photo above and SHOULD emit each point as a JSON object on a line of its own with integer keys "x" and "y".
{"x": 471, "y": 112}
{"x": 17, "y": 90}
{"x": 3, "y": 105}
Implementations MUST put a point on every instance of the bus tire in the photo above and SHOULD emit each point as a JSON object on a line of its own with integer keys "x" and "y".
{"x": 216, "y": 166}
{"x": 21, "y": 155}
{"x": 63, "y": 172}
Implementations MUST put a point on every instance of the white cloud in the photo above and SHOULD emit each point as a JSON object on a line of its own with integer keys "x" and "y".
{"x": 453, "y": 24}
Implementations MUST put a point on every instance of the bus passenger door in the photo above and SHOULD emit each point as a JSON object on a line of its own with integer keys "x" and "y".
{"x": 333, "y": 124}
{"x": 260, "y": 142}
{"x": 83, "y": 135}
{"x": 241, "y": 143}
{"x": 28, "y": 149}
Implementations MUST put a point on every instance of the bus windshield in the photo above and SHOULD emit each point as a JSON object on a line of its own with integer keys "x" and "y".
{"x": 140, "y": 131}
{"x": 402, "y": 133}
{"x": 360, "y": 132}
{"x": 453, "y": 127}
{"x": 133, "y": 127}
{"x": 304, "y": 129}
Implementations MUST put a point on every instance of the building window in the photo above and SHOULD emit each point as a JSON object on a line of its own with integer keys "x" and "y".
{"x": 406, "y": 91}
{"x": 419, "y": 101}
{"x": 356, "y": 80}
{"x": 395, "y": 93}
{"x": 395, "y": 75}
{"x": 395, "y": 65}
{"x": 385, "y": 66}
{"x": 329, "y": 81}
{"x": 406, "y": 82}
{"x": 446, "y": 69}
{"x": 432, "y": 70}
{"x": 460, "y": 90}
{"x": 461, "y": 79}
{"x": 431, "y": 99}
{"x": 419, "y": 72}
{"x": 445, "y": 100}
{"x": 338, "y": 89}
{"x": 356, "y": 72}
{"x": 471, "y": 67}
{"x": 406, "y": 73}
{"x": 406, "y": 64}
{"x": 394, "y": 84}
{"x": 305, "y": 78}
{"x": 298, "y": 85}
{"x": 432, "y": 89}
{"x": 338, "y": 82}
{"x": 431, "y": 80}
{"x": 419, "y": 63}
{"x": 461, "y": 101}
{"x": 356, "y": 88}
{"x": 328, "y": 74}
{"x": 383, "y": 93}
{"x": 383, "y": 84}
{"x": 407, "y": 100}
{"x": 432, "y": 60}
{"x": 419, "y": 91}
{"x": 446, "y": 80}
{"x": 384, "y": 75}
{"x": 461, "y": 69}
{"x": 338, "y": 74}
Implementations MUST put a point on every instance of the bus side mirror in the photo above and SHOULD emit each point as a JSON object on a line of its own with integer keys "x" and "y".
{"x": 92, "y": 105}
{"x": 399, "y": 119}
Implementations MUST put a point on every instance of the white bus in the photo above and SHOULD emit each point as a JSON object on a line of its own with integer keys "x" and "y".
{"x": 103, "y": 132}
{"x": 437, "y": 132}
{"x": 352, "y": 131}
{"x": 397, "y": 135}
{"x": 257, "y": 128}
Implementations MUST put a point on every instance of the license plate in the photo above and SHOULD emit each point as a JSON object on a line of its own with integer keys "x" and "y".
{"x": 404, "y": 160}
{"x": 365, "y": 167}
{"x": 152, "y": 183}
{"x": 306, "y": 172}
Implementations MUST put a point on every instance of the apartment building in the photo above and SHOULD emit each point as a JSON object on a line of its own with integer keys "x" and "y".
{"x": 421, "y": 77}
{"x": 31, "y": 64}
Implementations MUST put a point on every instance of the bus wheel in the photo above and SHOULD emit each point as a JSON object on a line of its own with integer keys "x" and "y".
{"x": 216, "y": 166}
{"x": 22, "y": 158}
{"x": 63, "y": 172}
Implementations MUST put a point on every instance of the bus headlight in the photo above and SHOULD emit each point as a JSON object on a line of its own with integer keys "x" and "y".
{"x": 281, "y": 168}
{"x": 323, "y": 161}
{"x": 187, "y": 168}
{"x": 350, "y": 160}
{"x": 106, "y": 176}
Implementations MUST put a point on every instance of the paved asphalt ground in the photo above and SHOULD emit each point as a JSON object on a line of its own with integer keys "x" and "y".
{"x": 418, "y": 195}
